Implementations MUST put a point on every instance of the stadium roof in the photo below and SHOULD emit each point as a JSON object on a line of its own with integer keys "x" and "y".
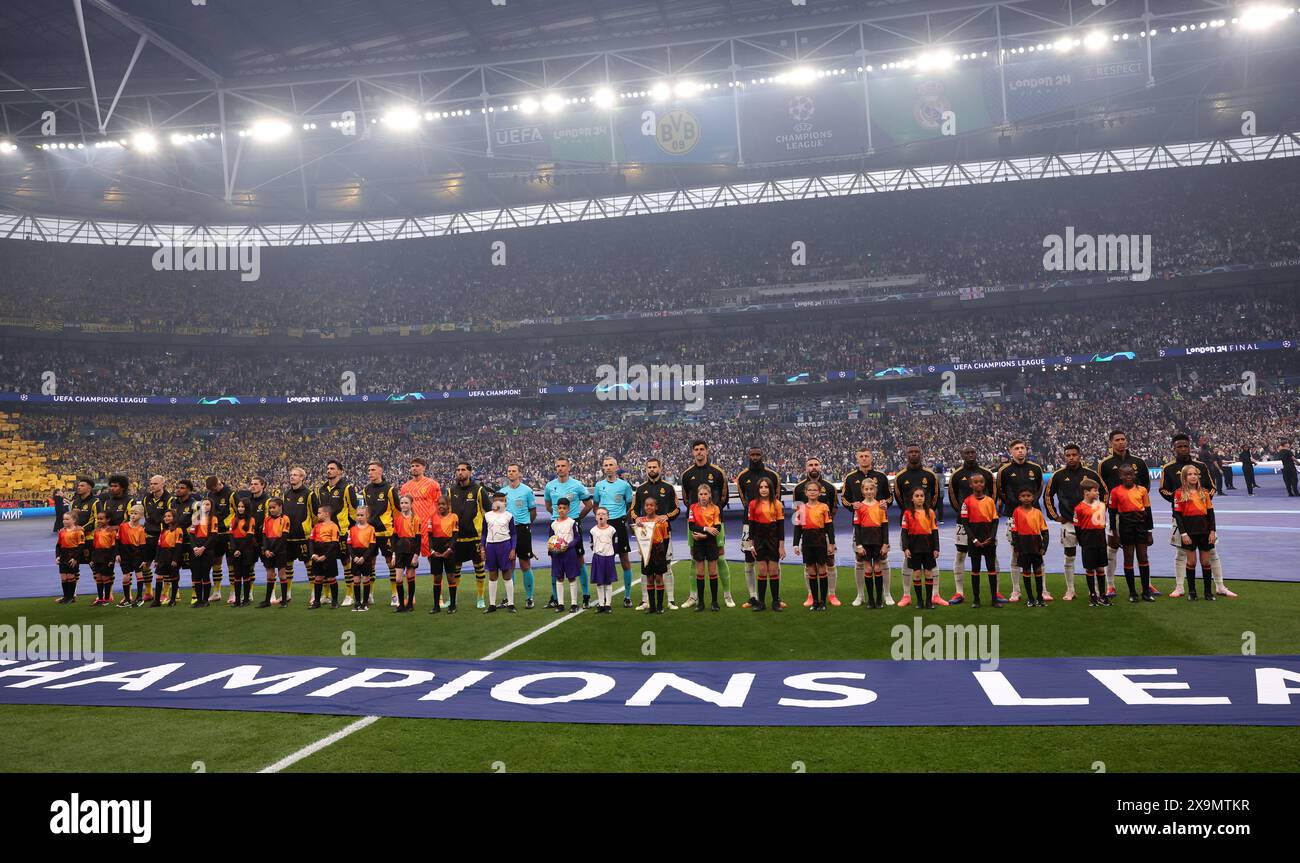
{"x": 82, "y": 72}
{"x": 243, "y": 41}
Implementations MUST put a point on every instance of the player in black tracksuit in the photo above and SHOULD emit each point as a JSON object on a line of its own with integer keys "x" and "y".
{"x": 828, "y": 496}
{"x": 1290, "y": 478}
{"x": 705, "y": 472}
{"x": 84, "y": 505}
{"x": 665, "y": 497}
{"x": 154, "y": 507}
{"x": 1062, "y": 495}
{"x": 958, "y": 490}
{"x": 380, "y": 498}
{"x": 1108, "y": 468}
{"x": 222, "y": 498}
{"x": 300, "y": 504}
{"x": 851, "y": 494}
{"x": 747, "y": 488}
{"x": 1019, "y": 473}
{"x": 1170, "y": 481}
{"x": 915, "y": 475}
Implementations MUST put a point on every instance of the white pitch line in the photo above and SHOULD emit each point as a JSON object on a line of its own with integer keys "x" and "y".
{"x": 319, "y": 745}
{"x": 366, "y": 721}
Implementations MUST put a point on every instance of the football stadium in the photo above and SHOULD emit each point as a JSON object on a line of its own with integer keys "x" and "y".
{"x": 506, "y": 386}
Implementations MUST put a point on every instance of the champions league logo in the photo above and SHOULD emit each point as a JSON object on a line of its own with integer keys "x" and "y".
{"x": 803, "y": 135}
{"x": 802, "y": 109}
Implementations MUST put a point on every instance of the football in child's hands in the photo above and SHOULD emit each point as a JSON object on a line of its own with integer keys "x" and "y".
{"x": 557, "y": 544}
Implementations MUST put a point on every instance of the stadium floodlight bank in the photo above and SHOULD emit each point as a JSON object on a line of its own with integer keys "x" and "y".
{"x": 15, "y": 226}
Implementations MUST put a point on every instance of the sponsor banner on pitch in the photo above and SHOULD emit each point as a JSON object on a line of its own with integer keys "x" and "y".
{"x": 1195, "y": 690}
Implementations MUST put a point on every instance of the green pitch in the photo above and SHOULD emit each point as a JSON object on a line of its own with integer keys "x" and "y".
{"x": 83, "y": 739}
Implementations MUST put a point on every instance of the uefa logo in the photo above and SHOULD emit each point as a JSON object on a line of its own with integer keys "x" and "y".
{"x": 801, "y": 110}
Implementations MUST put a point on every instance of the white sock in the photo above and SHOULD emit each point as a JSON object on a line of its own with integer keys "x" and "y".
{"x": 492, "y": 591}
{"x": 886, "y": 580}
{"x": 509, "y": 585}
{"x": 670, "y": 586}
{"x": 1015, "y": 578}
{"x": 860, "y": 577}
{"x": 751, "y": 580}
{"x": 1069, "y": 576}
{"x": 1180, "y": 576}
{"x": 832, "y": 575}
{"x": 1216, "y": 568}
{"x": 1110, "y": 567}
{"x": 959, "y": 572}
{"x": 573, "y": 591}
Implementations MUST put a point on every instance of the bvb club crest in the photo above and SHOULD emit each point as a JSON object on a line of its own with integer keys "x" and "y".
{"x": 932, "y": 101}
{"x": 801, "y": 111}
{"x": 677, "y": 132}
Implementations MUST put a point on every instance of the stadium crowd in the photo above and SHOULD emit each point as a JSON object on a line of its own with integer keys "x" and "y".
{"x": 1047, "y": 410}
{"x": 957, "y": 237}
{"x": 857, "y": 342}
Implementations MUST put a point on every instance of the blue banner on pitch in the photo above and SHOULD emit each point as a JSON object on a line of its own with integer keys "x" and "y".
{"x": 1195, "y": 690}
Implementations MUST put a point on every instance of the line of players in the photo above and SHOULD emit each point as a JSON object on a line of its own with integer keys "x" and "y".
{"x": 154, "y": 537}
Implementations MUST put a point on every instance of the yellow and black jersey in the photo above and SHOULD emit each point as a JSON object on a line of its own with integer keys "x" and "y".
{"x": 1066, "y": 489}
{"x": 83, "y": 510}
{"x": 468, "y": 503}
{"x": 118, "y": 509}
{"x": 712, "y": 476}
{"x": 223, "y": 509}
{"x": 381, "y": 499}
{"x": 1011, "y": 478}
{"x": 300, "y": 505}
{"x": 185, "y": 509}
{"x": 256, "y": 504}
{"x": 341, "y": 498}
{"x": 154, "y": 507}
